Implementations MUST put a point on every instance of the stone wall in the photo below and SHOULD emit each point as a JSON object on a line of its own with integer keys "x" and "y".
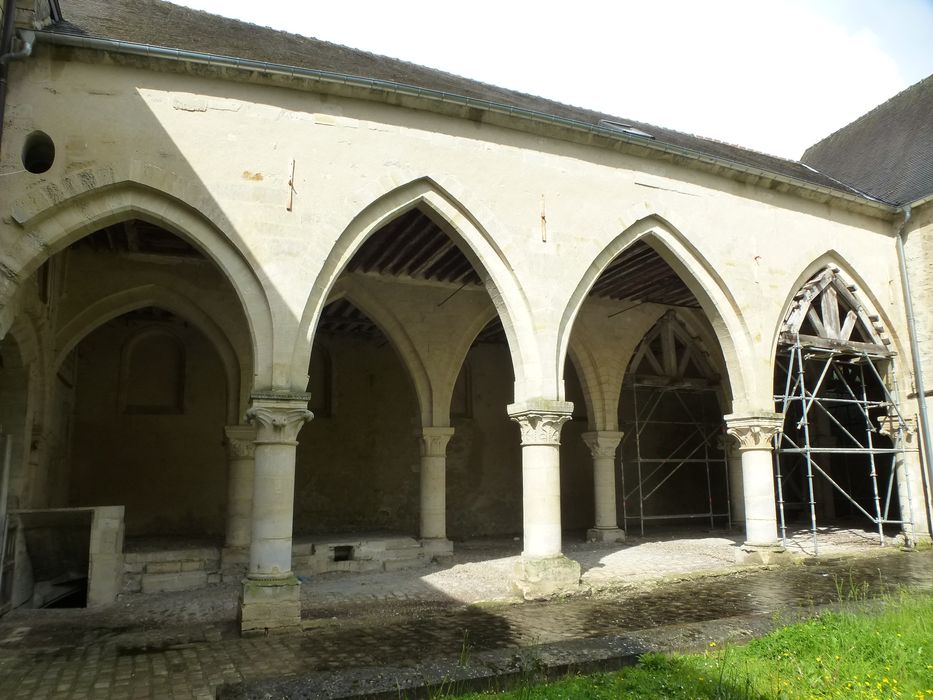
{"x": 358, "y": 466}
{"x": 167, "y": 465}
{"x": 540, "y": 213}
{"x": 14, "y": 394}
{"x": 744, "y": 249}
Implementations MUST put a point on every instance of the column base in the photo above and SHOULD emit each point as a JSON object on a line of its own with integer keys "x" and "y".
{"x": 919, "y": 540}
{"x": 539, "y": 578}
{"x": 605, "y": 534}
{"x": 270, "y": 606}
{"x": 437, "y": 548}
{"x": 761, "y": 553}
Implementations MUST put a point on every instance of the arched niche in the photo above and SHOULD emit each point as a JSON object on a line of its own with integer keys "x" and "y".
{"x": 149, "y": 411}
{"x": 153, "y": 373}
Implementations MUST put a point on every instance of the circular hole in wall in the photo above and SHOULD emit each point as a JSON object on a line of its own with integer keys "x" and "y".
{"x": 38, "y": 152}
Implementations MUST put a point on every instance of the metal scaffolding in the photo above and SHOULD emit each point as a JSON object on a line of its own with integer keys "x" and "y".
{"x": 698, "y": 445}
{"x": 832, "y": 400}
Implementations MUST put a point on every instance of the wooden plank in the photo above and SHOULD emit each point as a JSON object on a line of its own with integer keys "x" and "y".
{"x": 815, "y": 320}
{"x": 829, "y": 306}
{"x": 846, "y": 332}
{"x": 856, "y": 348}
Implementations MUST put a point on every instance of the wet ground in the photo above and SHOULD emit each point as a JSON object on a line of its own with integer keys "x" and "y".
{"x": 103, "y": 654}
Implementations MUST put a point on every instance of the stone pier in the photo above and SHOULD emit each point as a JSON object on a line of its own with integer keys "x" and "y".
{"x": 603, "y": 445}
{"x": 543, "y": 570}
{"x": 269, "y": 599}
{"x": 754, "y": 433}
{"x": 434, "y": 490}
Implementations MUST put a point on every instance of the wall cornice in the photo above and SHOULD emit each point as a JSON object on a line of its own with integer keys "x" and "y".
{"x": 113, "y": 52}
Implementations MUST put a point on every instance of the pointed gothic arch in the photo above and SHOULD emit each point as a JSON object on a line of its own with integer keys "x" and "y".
{"x": 398, "y": 338}
{"x": 701, "y": 279}
{"x": 236, "y": 369}
{"x": 52, "y": 224}
{"x": 478, "y": 246}
{"x": 855, "y": 284}
{"x": 839, "y": 453}
{"x": 827, "y": 311}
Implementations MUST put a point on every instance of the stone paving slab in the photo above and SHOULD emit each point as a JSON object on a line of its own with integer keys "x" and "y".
{"x": 501, "y": 669}
{"x": 135, "y": 650}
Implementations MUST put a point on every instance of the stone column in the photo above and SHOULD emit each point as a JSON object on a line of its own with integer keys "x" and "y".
{"x": 543, "y": 570}
{"x": 269, "y": 600}
{"x": 241, "y": 449}
{"x": 434, "y": 491}
{"x": 911, "y": 493}
{"x": 603, "y": 445}
{"x": 736, "y": 486}
{"x": 754, "y": 434}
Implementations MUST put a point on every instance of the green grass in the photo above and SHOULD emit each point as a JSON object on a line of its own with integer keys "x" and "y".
{"x": 860, "y": 654}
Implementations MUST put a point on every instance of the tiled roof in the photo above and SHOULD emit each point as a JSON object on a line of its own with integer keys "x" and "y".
{"x": 888, "y": 152}
{"x": 160, "y": 23}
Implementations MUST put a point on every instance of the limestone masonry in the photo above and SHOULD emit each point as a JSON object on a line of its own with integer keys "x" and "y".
{"x": 271, "y": 307}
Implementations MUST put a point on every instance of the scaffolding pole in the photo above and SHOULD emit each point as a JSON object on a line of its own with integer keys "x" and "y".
{"x": 691, "y": 451}
{"x": 841, "y": 385}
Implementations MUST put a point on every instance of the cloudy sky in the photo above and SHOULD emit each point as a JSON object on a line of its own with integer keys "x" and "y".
{"x": 773, "y": 75}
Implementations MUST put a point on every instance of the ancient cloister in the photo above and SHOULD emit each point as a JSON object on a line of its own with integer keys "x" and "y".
{"x": 293, "y": 316}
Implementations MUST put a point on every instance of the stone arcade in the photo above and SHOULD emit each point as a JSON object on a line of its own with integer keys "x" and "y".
{"x": 505, "y": 316}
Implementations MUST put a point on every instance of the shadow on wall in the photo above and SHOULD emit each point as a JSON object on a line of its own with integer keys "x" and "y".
{"x": 149, "y": 414}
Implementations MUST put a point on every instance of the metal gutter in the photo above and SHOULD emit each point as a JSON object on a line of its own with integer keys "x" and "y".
{"x": 923, "y": 201}
{"x": 28, "y": 38}
{"x": 925, "y": 436}
{"x": 402, "y": 89}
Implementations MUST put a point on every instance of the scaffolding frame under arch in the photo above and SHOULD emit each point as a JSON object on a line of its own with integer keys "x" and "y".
{"x": 849, "y": 381}
{"x": 700, "y": 447}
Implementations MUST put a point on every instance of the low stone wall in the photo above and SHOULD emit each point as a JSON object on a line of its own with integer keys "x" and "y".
{"x": 171, "y": 570}
{"x": 189, "y": 568}
{"x": 357, "y": 553}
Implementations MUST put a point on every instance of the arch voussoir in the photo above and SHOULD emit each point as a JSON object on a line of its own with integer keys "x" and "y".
{"x": 478, "y": 245}
{"x": 56, "y": 214}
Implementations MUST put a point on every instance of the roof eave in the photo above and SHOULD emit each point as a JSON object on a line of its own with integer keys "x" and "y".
{"x": 922, "y": 202}
{"x": 375, "y": 87}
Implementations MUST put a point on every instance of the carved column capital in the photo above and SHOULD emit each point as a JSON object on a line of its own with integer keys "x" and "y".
{"x": 754, "y": 432}
{"x": 541, "y": 420}
{"x": 903, "y": 431}
{"x": 602, "y": 443}
{"x": 278, "y": 417}
{"x": 240, "y": 441}
{"x": 434, "y": 441}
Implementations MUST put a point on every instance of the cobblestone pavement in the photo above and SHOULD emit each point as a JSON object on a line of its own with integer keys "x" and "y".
{"x": 186, "y": 645}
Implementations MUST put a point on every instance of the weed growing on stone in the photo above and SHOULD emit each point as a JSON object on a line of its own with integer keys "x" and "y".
{"x": 466, "y": 648}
